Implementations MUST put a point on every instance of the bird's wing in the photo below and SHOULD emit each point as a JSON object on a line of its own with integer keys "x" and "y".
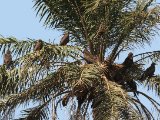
{"x": 64, "y": 39}
{"x": 124, "y": 62}
{"x": 7, "y": 58}
{"x": 147, "y": 70}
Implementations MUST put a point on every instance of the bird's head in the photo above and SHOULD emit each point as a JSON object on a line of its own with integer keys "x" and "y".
{"x": 153, "y": 64}
{"x": 8, "y": 52}
{"x": 40, "y": 41}
{"x": 130, "y": 55}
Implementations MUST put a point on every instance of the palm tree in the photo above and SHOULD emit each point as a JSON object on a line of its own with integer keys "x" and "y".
{"x": 84, "y": 75}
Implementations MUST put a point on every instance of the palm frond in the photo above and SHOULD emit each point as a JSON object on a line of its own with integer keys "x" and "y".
{"x": 58, "y": 80}
{"x": 153, "y": 56}
{"x": 20, "y": 47}
{"x": 29, "y": 66}
{"x": 153, "y": 84}
{"x": 37, "y": 113}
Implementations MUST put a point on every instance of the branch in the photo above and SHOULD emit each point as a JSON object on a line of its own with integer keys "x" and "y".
{"x": 146, "y": 111}
{"x": 124, "y": 35}
{"x": 151, "y": 54}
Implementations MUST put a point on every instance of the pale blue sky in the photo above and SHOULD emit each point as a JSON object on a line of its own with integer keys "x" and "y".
{"x": 18, "y": 19}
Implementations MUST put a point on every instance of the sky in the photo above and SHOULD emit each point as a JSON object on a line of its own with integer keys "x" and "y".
{"x": 18, "y": 19}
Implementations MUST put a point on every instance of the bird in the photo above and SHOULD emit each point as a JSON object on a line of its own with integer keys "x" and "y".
{"x": 101, "y": 30}
{"x": 149, "y": 72}
{"x": 81, "y": 99}
{"x": 128, "y": 62}
{"x": 8, "y": 59}
{"x": 38, "y": 45}
{"x": 118, "y": 78}
{"x": 89, "y": 58}
{"x": 132, "y": 86}
{"x": 64, "y": 39}
{"x": 65, "y": 100}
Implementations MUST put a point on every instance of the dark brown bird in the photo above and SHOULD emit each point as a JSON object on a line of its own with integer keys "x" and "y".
{"x": 65, "y": 99}
{"x": 101, "y": 30}
{"x": 89, "y": 58}
{"x": 8, "y": 59}
{"x": 64, "y": 39}
{"x": 39, "y": 45}
{"x": 81, "y": 100}
{"x": 132, "y": 86}
{"x": 149, "y": 72}
{"x": 128, "y": 62}
{"x": 118, "y": 78}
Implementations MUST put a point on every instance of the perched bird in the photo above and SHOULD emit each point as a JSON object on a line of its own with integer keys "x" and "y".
{"x": 101, "y": 30}
{"x": 64, "y": 39}
{"x": 8, "y": 59}
{"x": 118, "y": 78}
{"x": 132, "y": 86}
{"x": 89, "y": 58}
{"x": 81, "y": 98}
{"x": 65, "y": 99}
{"x": 128, "y": 62}
{"x": 39, "y": 45}
{"x": 149, "y": 72}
